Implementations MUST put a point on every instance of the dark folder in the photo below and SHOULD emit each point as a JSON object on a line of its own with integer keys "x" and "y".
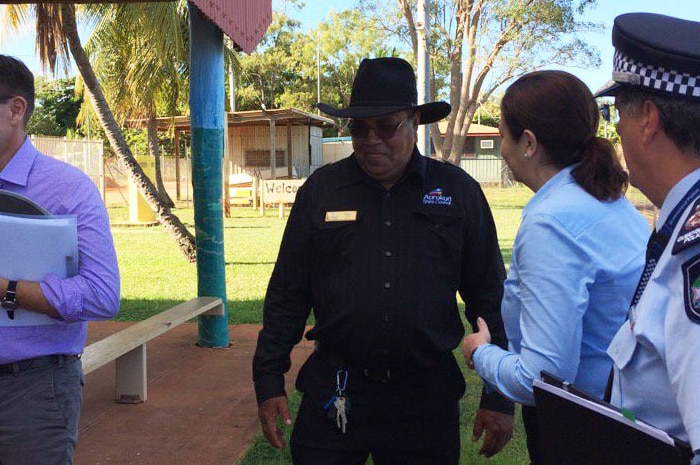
{"x": 576, "y": 428}
{"x": 18, "y": 204}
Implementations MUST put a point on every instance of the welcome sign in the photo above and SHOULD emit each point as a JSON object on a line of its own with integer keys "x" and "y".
{"x": 280, "y": 190}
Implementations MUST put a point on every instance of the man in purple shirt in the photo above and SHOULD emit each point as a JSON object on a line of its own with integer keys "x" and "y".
{"x": 40, "y": 372}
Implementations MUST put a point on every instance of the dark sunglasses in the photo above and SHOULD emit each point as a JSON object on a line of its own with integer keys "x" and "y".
{"x": 383, "y": 131}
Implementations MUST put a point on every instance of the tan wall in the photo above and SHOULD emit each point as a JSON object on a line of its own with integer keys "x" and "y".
{"x": 334, "y": 151}
{"x": 257, "y": 138}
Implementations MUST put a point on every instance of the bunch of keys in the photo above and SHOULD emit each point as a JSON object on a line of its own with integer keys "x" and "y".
{"x": 338, "y": 405}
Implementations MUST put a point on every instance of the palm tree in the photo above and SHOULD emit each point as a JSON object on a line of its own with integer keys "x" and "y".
{"x": 141, "y": 63}
{"x": 57, "y": 33}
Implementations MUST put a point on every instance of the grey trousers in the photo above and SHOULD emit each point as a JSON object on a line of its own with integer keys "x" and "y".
{"x": 39, "y": 413}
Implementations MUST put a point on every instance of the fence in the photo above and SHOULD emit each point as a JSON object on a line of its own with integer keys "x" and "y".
{"x": 118, "y": 181}
{"x": 86, "y": 155}
{"x": 490, "y": 170}
{"x": 113, "y": 182}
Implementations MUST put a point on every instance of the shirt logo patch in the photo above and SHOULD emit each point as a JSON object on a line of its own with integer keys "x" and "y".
{"x": 691, "y": 288}
{"x": 435, "y": 197}
{"x": 689, "y": 234}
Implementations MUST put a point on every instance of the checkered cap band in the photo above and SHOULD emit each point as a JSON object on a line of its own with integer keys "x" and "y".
{"x": 665, "y": 80}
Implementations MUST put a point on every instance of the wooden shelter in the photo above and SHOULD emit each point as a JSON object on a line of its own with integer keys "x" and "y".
{"x": 480, "y": 141}
{"x": 294, "y": 136}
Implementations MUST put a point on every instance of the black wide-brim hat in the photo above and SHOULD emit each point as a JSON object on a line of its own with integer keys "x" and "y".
{"x": 655, "y": 53}
{"x": 383, "y": 86}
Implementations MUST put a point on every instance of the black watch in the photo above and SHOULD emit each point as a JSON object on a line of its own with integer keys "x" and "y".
{"x": 9, "y": 302}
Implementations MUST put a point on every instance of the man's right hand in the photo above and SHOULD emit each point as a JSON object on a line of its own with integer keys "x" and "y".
{"x": 268, "y": 412}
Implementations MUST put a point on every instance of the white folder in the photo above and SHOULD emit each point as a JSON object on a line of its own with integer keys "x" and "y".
{"x": 31, "y": 248}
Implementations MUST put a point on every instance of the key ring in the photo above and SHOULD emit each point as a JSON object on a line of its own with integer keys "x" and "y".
{"x": 340, "y": 386}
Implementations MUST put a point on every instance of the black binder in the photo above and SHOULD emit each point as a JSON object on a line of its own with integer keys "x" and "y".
{"x": 18, "y": 204}
{"x": 576, "y": 428}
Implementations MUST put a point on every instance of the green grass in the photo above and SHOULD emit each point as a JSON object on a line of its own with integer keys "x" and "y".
{"x": 156, "y": 276}
{"x": 506, "y": 206}
{"x": 515, "y": 453}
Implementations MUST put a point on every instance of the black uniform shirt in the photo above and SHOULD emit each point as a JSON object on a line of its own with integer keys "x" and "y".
{"x": 381, "y": 270}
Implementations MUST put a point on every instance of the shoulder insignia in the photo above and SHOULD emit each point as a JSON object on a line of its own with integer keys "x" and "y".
{"x": 689, "y": 234}
{"x": 691, "y": 288}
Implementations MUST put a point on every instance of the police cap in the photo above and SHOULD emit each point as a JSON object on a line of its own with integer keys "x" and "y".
{"x": 656, "y": 53}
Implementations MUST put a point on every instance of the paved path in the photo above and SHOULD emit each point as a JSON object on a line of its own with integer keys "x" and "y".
{"x": 201, "y": 408}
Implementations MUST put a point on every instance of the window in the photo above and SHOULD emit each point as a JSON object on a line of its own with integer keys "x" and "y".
{"x": 487, "y": 144}
{"x": 261, "y": 158}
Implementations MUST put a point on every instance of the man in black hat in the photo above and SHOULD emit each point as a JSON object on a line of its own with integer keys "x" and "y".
{"x": 656, "y": 85}
{"x": 378, "y": 245}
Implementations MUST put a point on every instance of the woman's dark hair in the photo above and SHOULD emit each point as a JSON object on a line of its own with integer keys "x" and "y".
{"x": 559, "y": 109}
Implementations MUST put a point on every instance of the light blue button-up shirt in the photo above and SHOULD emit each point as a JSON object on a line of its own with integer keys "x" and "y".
{"x": 575, "y": 265}
{"x": 657, "y": 373}
{"x": 93, "y": 294}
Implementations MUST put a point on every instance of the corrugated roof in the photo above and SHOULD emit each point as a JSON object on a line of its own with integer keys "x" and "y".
{"x": 475, "y": 130}
{"x": 244, "y": 21}
{"x": 282, "y": 117}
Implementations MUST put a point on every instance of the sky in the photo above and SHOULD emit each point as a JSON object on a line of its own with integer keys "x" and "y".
{"x": 315, "y": 11}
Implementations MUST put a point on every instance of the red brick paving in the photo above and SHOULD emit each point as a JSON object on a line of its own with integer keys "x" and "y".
{"x": 200, "y": 409}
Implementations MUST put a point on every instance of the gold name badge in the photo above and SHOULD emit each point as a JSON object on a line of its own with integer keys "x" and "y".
{"x": 341, "y": 216}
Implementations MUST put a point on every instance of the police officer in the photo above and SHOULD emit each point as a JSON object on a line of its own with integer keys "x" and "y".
{"x": 656, "y": 85}
{"x": 378, "y": 245}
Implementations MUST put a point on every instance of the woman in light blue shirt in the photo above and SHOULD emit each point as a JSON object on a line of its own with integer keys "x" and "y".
{"x": 579, "y": 251}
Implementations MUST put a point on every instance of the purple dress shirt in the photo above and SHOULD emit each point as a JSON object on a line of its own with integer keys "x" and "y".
{"x": 93, "y": 294}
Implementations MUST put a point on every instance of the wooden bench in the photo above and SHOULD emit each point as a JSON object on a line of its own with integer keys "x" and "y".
{"x": 241, "y": 194}
{"x": 242, "y": 188}
{"x": 128, "y": 346}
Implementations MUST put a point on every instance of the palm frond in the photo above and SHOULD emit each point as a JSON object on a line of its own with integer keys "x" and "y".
{"x": 16, "y": 20}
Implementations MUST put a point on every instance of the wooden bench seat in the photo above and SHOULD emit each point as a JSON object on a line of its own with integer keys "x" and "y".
{"x": 128, "y": 346}
{"x": 241, "y": 194}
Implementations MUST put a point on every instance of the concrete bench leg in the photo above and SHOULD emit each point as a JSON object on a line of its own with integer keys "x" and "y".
{"x": 131, "y": 376}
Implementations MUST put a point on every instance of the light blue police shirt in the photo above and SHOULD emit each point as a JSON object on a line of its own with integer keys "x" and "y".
{"x": 575, "y": 265}
{"x": 657, "y": 360}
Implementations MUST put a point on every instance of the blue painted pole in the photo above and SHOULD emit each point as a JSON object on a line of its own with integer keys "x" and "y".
{"x": 207, "y": 124}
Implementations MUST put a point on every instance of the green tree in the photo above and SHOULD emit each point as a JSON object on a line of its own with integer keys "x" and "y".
{"x": 140, "y": 65}
{"x": 346, "y": 38}
{"x": 608, "y": 129}
{"x": 57, "y": 35}
{"x": 283, "y": 73}
{"x": 265, "y": 75}
{"x": 478, "y": 45}
{"x": 56, "y": 109}
{"x": 489, "y": 112}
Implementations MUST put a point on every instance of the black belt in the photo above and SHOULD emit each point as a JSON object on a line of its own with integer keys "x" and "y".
{"x": 37, "y": 362}
{"x": 374, "y": 374}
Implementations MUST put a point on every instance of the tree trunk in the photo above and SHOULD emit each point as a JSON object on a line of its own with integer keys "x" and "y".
{"x": 172, "y": 223}
{"x": 154, "y": 149}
